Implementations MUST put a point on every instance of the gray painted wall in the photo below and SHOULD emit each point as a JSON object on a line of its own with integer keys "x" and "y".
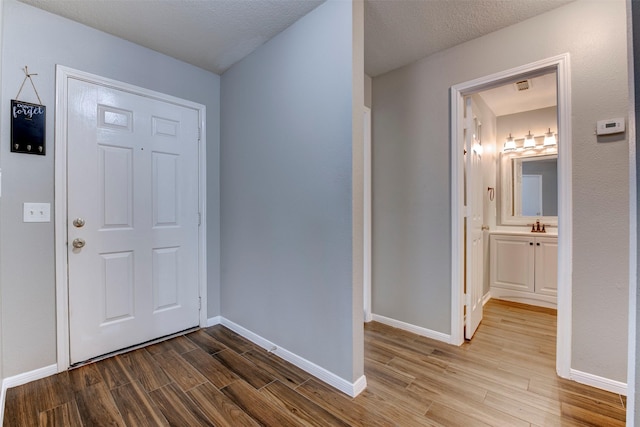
{"x": 41, "y": 40}
{"x": 358, "y": 90}
{"x": 286, "y": 177}
{"x": 412, "y": 225}
{"x": 518, "y": 124}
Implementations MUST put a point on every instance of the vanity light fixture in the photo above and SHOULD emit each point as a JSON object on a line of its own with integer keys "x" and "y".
{"x": 549, "y": 139}
{"x": 529, "y": 142}
{"x": 477, "y": 148}
{"x": 510, "y": 144}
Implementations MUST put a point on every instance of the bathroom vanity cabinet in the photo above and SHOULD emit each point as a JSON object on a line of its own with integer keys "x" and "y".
{"x": 524, "y": 268}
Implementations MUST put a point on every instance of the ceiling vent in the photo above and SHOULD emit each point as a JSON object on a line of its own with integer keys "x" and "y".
{"x": 523, "y": 85}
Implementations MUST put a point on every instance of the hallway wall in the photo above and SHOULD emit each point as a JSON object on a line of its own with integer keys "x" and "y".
{"x": 287, "y": 172}
{"x": 412, "y": 203}
{"x": 27, "y": 282}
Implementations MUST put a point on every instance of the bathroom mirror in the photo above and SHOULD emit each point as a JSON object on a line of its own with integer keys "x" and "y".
{"x": 529, "y": 188}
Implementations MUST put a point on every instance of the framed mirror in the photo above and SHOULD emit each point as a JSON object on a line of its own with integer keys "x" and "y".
{"x": 529, "y": 188}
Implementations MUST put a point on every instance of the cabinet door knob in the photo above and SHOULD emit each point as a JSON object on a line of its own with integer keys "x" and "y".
{"x": 530, "y": 243}
{"x": 538, "y": 244}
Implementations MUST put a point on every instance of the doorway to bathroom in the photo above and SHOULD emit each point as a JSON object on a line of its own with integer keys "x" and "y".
{"x": 509, "y": 154}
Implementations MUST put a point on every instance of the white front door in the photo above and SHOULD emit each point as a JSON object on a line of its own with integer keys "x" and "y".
{"x": 132, "y": 173}
{"x": 474, "y": 220}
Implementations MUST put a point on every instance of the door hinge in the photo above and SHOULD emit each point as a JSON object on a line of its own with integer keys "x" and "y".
{"x": 199, "y": 134}
{"x": 199, "y": 219}
{"x": 199, "y": 303}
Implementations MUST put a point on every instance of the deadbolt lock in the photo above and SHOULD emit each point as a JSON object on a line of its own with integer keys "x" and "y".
{"x": 78, "y": 222}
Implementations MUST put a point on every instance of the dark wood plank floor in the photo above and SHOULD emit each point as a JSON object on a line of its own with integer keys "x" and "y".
{"x": 504, "y": 377}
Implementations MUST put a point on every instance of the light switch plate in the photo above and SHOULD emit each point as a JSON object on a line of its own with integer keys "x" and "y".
{"x": 37, "y": 212}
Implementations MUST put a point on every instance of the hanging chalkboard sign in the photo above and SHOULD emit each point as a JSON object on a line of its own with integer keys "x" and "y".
{"x": 27, "y": 127}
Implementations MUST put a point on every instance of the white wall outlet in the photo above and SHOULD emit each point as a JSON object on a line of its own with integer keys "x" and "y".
{"x": 37, "y": 212}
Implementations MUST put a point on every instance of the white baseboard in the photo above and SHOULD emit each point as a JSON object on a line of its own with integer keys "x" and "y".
{"x": 24, "y": 378}
{"x": 438, "y": 336}
{"x": 486, "y": 298}
{"x": 350, "y": 389}
{"x": 212, "y": 321}
{"x": 530, "y": 298}
{"x": 27, "y": 377}
{"x": 613, "y": 386}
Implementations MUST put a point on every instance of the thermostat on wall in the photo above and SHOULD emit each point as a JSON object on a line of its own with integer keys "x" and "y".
{"x": 606, "y": 127}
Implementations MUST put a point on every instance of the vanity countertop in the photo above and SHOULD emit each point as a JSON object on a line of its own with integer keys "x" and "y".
{"x": 550, "y": 233}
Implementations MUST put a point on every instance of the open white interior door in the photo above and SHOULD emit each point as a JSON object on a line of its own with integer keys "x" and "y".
{"x": 474, "y": 271}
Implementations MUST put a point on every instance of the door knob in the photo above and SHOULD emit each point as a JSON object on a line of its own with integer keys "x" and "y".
{"x": 78, "y": 243}
{"x": 78, "y": 222}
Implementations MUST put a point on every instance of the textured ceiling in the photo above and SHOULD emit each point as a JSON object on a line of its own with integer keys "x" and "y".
{"x": 214, "y": 34}
{"x": 508, "y": 99}
{"x": 211, "y": 34}
{"x": 398, "y": 32}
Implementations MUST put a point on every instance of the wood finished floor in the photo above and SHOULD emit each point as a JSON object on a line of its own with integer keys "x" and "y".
{"x": 504, "y": 377}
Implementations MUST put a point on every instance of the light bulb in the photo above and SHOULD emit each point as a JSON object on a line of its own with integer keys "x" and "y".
{"x": 529, "y": 142}
{"x": 549, "y": 139}
{"x": 510, "y": 144}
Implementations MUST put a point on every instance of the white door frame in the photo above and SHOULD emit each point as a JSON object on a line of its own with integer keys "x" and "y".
{"x": 632, "y": 355}
{"x": 63, "y": 74}
{"x": 560, "y": 64}
{"x": 367, "y": 222}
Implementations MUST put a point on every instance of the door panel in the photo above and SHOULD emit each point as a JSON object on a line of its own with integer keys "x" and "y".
{"x": 474, "y": 220}
{"x": 117, "y": 286}
{"x": 165, "y": 190}
{"x": 165, "y": 278}
{"x": 512, "y": 263}
{"x": 115, "y": 186}
{"x": 133, "y": 177}
{"x": 546, "y": 259}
